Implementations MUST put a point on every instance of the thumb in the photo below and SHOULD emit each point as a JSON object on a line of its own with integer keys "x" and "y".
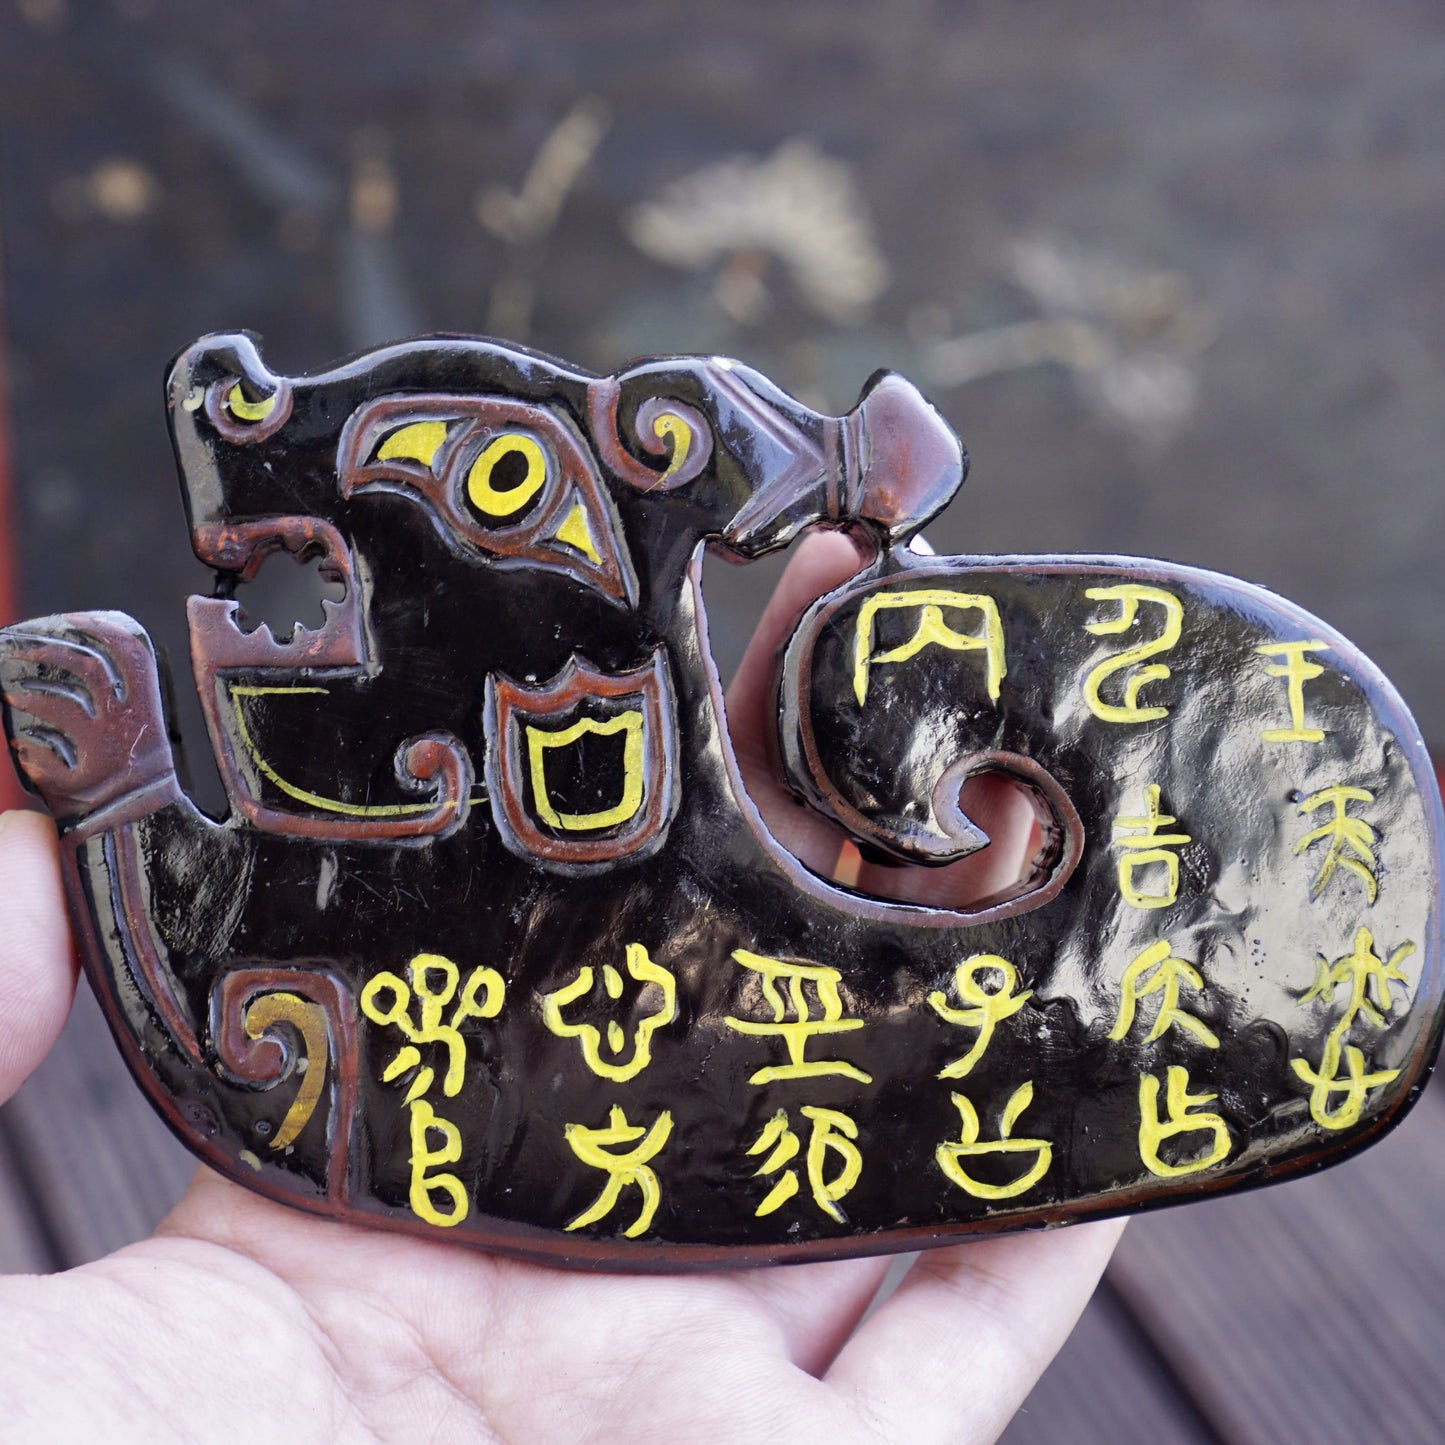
{"x": 37, "y": 964}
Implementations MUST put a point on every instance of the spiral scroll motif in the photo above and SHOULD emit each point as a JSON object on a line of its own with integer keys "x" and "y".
{"x": 272, "y": 1025}
{"x": 665, "y": 428}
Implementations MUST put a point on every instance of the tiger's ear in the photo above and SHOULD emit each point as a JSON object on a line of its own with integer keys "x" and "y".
{"x": 673, "y": 437}
{"x": 907, "y": 462}
{"x": 223, "y": 378}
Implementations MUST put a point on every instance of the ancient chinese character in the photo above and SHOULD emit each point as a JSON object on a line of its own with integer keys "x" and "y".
{"x": 1153, "y": 1130}
{"x": 426, "y": 1157}
{"x": 932, "y": 629}
{"x": 1156, "y": 970}
{"x": 833, "y": 1133}
{"x": 951, "y": 1155}
{"x": 1296, "y": 669}
{"x": 1145, "y": 843}
{"x": 1327, "y": 1081}
{"x": 595, "y": 1147}
{"x": 987, "y": 1007}
{"x": 793, "y": 1020}
{"x": 616, "y": 1060}
{"x": 1351, "y": 840}
{"x": 433, "y": 982}
{"x": 1369, "y": 977}
{"x": 1129, "y": 595}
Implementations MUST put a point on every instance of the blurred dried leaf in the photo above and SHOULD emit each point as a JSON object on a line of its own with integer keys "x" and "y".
{"x": 797, "y": 205}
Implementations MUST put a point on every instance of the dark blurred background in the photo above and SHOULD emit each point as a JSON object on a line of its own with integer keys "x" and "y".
{"x": 1173, "y": 272}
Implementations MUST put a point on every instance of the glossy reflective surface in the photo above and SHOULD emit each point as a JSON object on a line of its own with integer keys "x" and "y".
{"x": 493, "y": 943}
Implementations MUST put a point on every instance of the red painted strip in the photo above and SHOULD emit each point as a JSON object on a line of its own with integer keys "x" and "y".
{"x": 10, "y": 794}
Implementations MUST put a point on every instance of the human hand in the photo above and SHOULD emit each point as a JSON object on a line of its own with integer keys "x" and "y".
{"x": 242, "y": 1320}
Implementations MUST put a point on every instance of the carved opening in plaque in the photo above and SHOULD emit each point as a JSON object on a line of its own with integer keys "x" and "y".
{"x": 1020, "y": 839}
{"x": 285, "y": 593}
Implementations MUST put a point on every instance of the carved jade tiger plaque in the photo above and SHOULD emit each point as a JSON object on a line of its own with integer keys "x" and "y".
{"x": 492, "y": 943}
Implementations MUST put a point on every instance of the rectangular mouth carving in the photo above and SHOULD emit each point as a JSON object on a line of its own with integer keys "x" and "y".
{"x": 581, "y": 770}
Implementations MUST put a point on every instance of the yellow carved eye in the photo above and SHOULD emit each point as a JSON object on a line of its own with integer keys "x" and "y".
{"x": 523, "y": 470}
{"x": 245, "y": 410}
{"x": 418, "y": 442}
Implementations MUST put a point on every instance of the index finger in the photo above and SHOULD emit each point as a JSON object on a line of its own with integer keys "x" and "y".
{"x": 954, "y": 1352}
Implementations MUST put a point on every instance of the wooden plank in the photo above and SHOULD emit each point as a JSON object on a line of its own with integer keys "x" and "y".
{"x": 102, "y": 1166}
{"x": 1105, "y": 1385}
{"x": 24, "y": 1245}
{"x": 10, "y": 792}
{"x": 1311, "y": 1311}
{"x": 9, "y": 587}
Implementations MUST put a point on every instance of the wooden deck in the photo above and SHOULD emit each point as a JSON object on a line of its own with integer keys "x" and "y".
{"x": 1244, "y": 201}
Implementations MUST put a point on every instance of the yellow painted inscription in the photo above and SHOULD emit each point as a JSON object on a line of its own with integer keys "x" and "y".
{"x": 417, "y": 1007}
{"x": 1295, "y": 667}
{"x": 1368, "y": 978}
{"x": 1156, "y": 970}
{"x": 951, "y": 1156}
{"x": 388, "y": 1000}
{"x": 932, "y": 629}
{"x": 831, "y": 1134}
{"x": 985, "y": 1007}
{"x": 793, "y": 1020}
{"x": 437, "y": 1197}
{"x": 1147, "y": 844}
{"x": 605, "y": 1148}
{"x": 610, "y": 1054}
{"x": 1129, "y": 595}
{"x": 1185, "y": 1117}
{"x": 1351, "y": 840}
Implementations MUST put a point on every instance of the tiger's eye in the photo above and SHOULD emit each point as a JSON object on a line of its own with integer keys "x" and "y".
{"x": 502, "y": 502}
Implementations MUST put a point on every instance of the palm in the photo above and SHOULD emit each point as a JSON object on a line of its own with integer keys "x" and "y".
{"x": 240, "y": 1318}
